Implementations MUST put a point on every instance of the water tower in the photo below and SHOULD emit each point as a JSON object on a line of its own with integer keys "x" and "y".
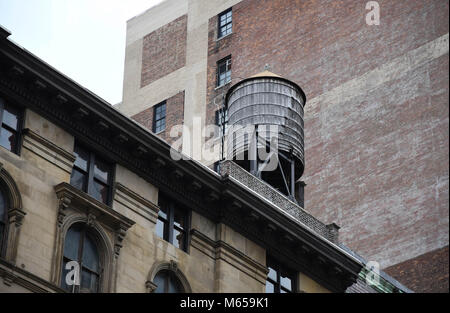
{"x": 273, "y": 107}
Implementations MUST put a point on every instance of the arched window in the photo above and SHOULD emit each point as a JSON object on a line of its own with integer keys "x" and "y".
{"x": 167, "y": 282}
{"x": 3, "y": 222}
{"x": 80, "y": 246}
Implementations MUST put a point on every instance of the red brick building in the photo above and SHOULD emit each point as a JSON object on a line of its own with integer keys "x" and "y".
{"x": 376, "y": 114}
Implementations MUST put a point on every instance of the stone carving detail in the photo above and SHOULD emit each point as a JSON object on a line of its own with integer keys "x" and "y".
{"x": 64, "y": 203}
{"x": 120, "y": 236}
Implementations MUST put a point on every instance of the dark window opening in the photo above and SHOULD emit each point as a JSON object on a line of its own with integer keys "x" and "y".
{"x": 224, "y": 71}
{"x": 167, "y": 282}
{"x": 225, "y": 23}
{"x": 3, "y": 222}
{"x": 173, "y": 223}
{"x": 92, "y": 175}
{"x": 222, "y": 121}
{"x": 279, "y": 279}
{"x": 11, "y": 120}
{"x": 80, "y": 246}
{"x": 159, "y": 117}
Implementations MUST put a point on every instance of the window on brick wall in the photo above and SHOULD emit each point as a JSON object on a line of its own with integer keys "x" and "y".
{"x": 224, "y": 71}
{"x": 159, "y": 117}
{"x": 225, "y": 23}
{"x": 91, "y": 174}
{"x": 10, "y": 120}
{"x": 279, "y": 279}
{"x": 173, "y": 222}
{"x": 222, "y": 120}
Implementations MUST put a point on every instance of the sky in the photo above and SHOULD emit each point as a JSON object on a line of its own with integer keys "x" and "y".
{"x": 83, "y": 39}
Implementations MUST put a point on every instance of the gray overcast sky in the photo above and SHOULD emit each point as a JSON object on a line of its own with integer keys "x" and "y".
{"x": 84, "y": 39}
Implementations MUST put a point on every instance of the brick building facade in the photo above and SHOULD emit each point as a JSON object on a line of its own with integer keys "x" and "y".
{"x": 376, "y": 115}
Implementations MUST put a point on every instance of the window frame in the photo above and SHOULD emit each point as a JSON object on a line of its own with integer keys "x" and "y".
{"x": 84, "y": 232}
{"x": 90, "y": 178}
{"x": 281, "y": 269}
{"x": 221, "y": 119}
{"x": 227, "y": 63}
{"x": 4, "y": 224}
{"x": 161, "y": 118}
{"x": 168, "y": 275}
{"x": 229, "y": 30}
{"x": 20, "y": 120}
{"x": 169, "y": 224}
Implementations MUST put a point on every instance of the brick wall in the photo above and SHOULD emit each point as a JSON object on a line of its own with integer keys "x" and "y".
{"x": 376, "y": 116}
{"x": 425, "y": 273}
{"x": 164, "y": 50}
{"x": 174, "y": 116}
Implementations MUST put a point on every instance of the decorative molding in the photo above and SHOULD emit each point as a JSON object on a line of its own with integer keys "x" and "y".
{"x": 220, "y": 250}
{"x": 135, "y": 202}
{"x": 12, "y": 274}
{"x": 94, "y": 209}
{"x": 16, "y": 213}
{"x": 77, "y": 206}
{"x": 170, "y": 266}
{"x": 48, "y": 150}
{"x": 150, "y": 286}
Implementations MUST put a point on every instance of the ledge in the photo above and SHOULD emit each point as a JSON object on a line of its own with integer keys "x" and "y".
{"x": 12, "y": 274}
{"x": 135, "y": 202}
{"x": 223, "y": 251}
{"x": 48, "y": 150}
{"x": 81, "y": 200}
{"x": 229, "y": 168}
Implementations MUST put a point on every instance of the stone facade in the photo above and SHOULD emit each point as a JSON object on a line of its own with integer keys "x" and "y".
{"x": 376, "y": 115}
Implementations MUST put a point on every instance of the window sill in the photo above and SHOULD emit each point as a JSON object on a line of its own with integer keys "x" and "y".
{"x": 221, "y": 86}
{"x": 160, "y": 132}
{"x": 228, "y": 35}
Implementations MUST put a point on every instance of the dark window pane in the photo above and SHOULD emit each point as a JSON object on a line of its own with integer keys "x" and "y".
{"x": 167, "y": 282}
{"x": 72, "y": 242}
{"x": 270, "y": 288}
{"x": 81, "y": 158}
{"x": 2, "y": 208}
{"x": 2, "y": 227}
{"x": 90, "y": 255}
{"x": 160, "y": 281}
{"x": 179, "y": 218}
{"x": 160, "y": 227}
{"x": 101, "y": 171}
{"x": 11, "y": 117}
{"x": 78, "y": 180}
{"x": 89, "y": 281}
{"x": 174, "y": 285}
{"x": 178, "y": 238}
{"x": 7, "y": 139}
{"x": 100, "y": 191}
